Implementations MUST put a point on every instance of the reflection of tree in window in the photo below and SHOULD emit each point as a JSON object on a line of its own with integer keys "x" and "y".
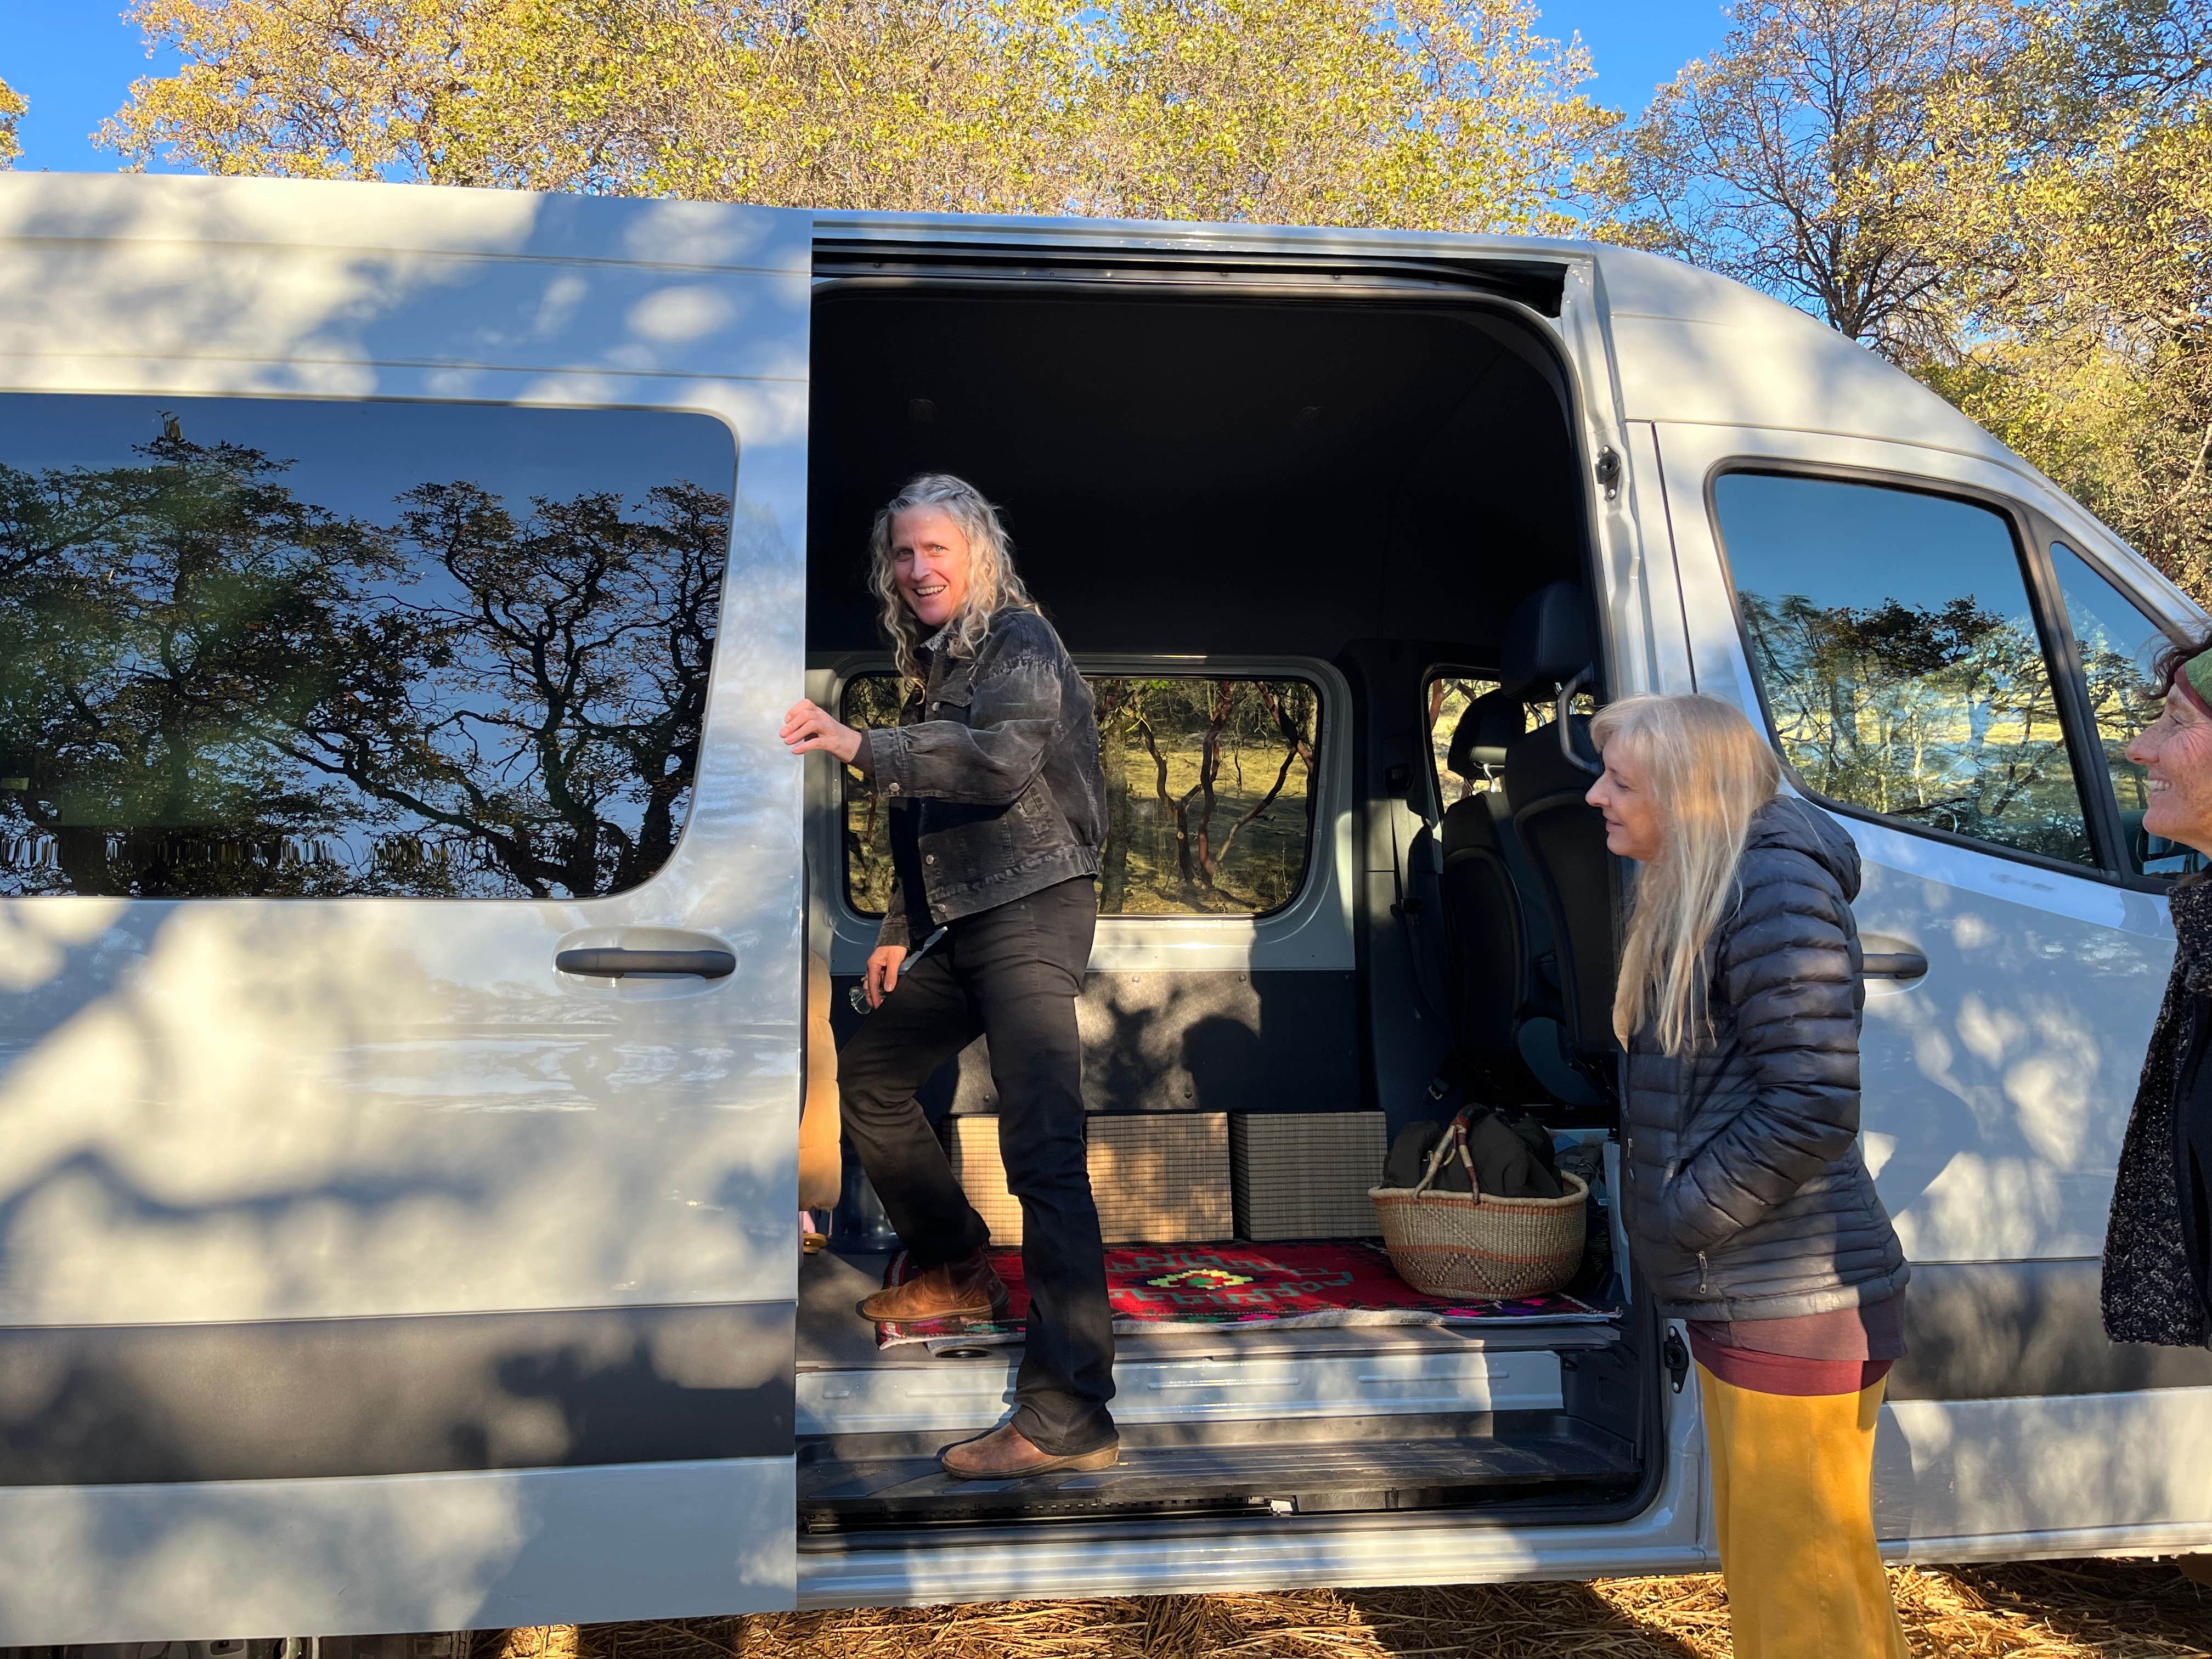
{"x": 1943, "y": 715}
{"x": 208, "y": 686}
{"x": 2118, "y": 643}
{"x": 1209, "y": 794}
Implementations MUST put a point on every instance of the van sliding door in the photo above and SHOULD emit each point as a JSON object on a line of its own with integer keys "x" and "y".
{"x": 399, "y": 893}
{"x": 1912, "y": 624}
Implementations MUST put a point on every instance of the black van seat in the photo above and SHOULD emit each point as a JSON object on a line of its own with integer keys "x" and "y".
{"x": 1548, "y": 647}
{"x": 1491, "y": 977}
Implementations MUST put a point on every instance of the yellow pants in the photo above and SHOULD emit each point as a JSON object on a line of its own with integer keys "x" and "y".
{"x": 1793, "y": 1495}
{"x": 821, "y": 1170}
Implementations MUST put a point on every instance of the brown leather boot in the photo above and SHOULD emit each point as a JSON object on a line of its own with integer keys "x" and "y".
{"x": 969, "y": 1286}
{"x": 1007, "y": 1454}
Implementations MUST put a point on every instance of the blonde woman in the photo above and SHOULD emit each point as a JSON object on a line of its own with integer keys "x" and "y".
{"x": 1749, "y": 1208}
{"x": 997, "y": 811}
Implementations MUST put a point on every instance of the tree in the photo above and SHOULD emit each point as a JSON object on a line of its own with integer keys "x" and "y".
{"x": 1943, "y": 714}
{"x": 1422, "y": 113}
{"x": 208, "y": 686}
{"x": 2011, "y": 197}
{"x": 13, "y": 106}
{"x": 2078, "y": 233}
{"x": 1797, "y": 158}
{"x": 157, "y": 622}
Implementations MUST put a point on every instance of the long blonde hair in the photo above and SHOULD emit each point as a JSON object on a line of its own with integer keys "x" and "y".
{"x": 992, "y": 584}
{"x": 1708, "y": 769}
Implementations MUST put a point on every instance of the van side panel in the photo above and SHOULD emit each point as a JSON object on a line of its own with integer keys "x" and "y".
{"x": 361, "y": 1269}
{"x": 406, "y": 1552}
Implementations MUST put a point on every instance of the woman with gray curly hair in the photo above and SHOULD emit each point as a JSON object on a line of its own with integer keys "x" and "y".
{"x": 997, "y": 811}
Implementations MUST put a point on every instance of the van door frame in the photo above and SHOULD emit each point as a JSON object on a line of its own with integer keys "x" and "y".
{"x": 1643, "y": 647}
{"x": 406, "y": 275}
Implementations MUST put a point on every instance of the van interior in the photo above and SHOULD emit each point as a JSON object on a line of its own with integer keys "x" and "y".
{"x": 1376, "y": 491}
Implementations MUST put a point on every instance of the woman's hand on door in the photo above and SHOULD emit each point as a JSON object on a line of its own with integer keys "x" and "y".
{"x": 808, "y": 727}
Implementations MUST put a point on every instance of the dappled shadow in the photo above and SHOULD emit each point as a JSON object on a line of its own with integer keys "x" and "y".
{"x": 2111, "y": 1608}
{"x": 1496, "y": 1622}
{"x": 1509, "y": 1621}
{"x": 2117, "y": 1606}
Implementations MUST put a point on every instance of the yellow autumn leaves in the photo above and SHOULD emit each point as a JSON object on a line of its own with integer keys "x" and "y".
{"x": 12, "y": 105}
{"x": 1423, "y": 113}
{"x": 2013, "y": 199}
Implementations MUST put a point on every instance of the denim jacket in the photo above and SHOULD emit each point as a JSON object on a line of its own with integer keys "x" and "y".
{"x": 993, "y": 778}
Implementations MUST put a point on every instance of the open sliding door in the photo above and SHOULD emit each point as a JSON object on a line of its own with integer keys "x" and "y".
{"x": 399, "y": 904}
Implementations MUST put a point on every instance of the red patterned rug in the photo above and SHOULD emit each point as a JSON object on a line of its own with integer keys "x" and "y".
{"x": 1282, "y": 1287}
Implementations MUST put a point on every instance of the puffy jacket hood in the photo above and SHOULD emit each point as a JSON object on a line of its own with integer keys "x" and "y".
{"x": 1787, "y": 824}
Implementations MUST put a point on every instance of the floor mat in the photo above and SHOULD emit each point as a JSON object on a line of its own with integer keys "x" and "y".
{"x": 1215, "y": 1287}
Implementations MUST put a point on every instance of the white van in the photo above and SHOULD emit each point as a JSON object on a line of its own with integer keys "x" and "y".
{"x": 400, "y": 589}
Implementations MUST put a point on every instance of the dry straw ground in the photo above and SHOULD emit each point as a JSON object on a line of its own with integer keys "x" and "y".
{"x": 2050, "y": 1610}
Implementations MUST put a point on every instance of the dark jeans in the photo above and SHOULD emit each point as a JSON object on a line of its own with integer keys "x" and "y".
{"x": 1010, "y": 973}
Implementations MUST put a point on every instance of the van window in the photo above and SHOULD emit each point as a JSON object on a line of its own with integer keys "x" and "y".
{"x": 1209, "y": 794}
{"x": 1899, "y": 658}
{"x": 293, "y": 648}
{"x": 1448, "y": 694}
{"x": 2118, "y": 643}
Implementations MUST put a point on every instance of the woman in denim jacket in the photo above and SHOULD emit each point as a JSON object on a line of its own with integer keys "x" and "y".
{"x": 997, "y": 809}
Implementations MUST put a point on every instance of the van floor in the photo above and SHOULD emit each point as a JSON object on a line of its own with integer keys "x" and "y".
{"x": 1212, "y": 1420}
{"x": 832, "y": 1335}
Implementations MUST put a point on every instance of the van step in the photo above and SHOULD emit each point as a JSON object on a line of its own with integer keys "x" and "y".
{"x": 1158, "y": 1473}
{"x": 964, "y": 1399}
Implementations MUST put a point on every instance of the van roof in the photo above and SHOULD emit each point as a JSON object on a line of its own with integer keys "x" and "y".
{"x": 1689, "y": 346}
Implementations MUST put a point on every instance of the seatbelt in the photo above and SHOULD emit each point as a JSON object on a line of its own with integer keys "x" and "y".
{"x": 1411, "y": 911}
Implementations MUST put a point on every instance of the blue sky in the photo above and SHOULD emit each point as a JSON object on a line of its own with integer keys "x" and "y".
{"x": 74, "y": 60}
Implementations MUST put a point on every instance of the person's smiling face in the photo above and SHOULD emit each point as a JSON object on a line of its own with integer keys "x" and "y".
{"x": 930, "y": 562}
{"x": 2176, "y": 751}
{"x": 1635, "y": 824}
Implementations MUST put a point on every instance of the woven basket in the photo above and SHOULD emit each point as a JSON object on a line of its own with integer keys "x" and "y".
{"x": 1476, "y": 1244}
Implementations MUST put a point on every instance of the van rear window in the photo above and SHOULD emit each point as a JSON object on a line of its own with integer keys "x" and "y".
{"x": 1209, "y": 794}
{"x": 288, "y": 649}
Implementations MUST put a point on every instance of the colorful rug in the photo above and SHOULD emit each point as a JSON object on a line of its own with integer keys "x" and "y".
{"x": 1278, "y": 1286}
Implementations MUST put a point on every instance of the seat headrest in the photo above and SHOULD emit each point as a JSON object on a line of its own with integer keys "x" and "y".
{"x": 1536, "y": 769}
{"x": 1548, "y": 641}
{"x": 1492, "y": 721}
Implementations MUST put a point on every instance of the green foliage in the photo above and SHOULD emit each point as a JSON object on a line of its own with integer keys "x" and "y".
{"x": 1418, "y": 113}
{"x": 1209, "y": 794}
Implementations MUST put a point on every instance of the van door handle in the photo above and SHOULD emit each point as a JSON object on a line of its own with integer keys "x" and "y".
{"x": 612, "y": 961}
{"x": 1894, "y": 964}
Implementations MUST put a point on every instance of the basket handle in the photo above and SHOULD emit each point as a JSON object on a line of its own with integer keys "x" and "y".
{"x": 1454, "y": 1139}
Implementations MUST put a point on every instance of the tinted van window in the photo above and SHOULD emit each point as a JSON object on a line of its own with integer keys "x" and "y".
{"x": 2118, "y": 643}
{"x": 260, "y": 648}
{"x": 1209, "y": 794}
{"x": 1899, "y": 656}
